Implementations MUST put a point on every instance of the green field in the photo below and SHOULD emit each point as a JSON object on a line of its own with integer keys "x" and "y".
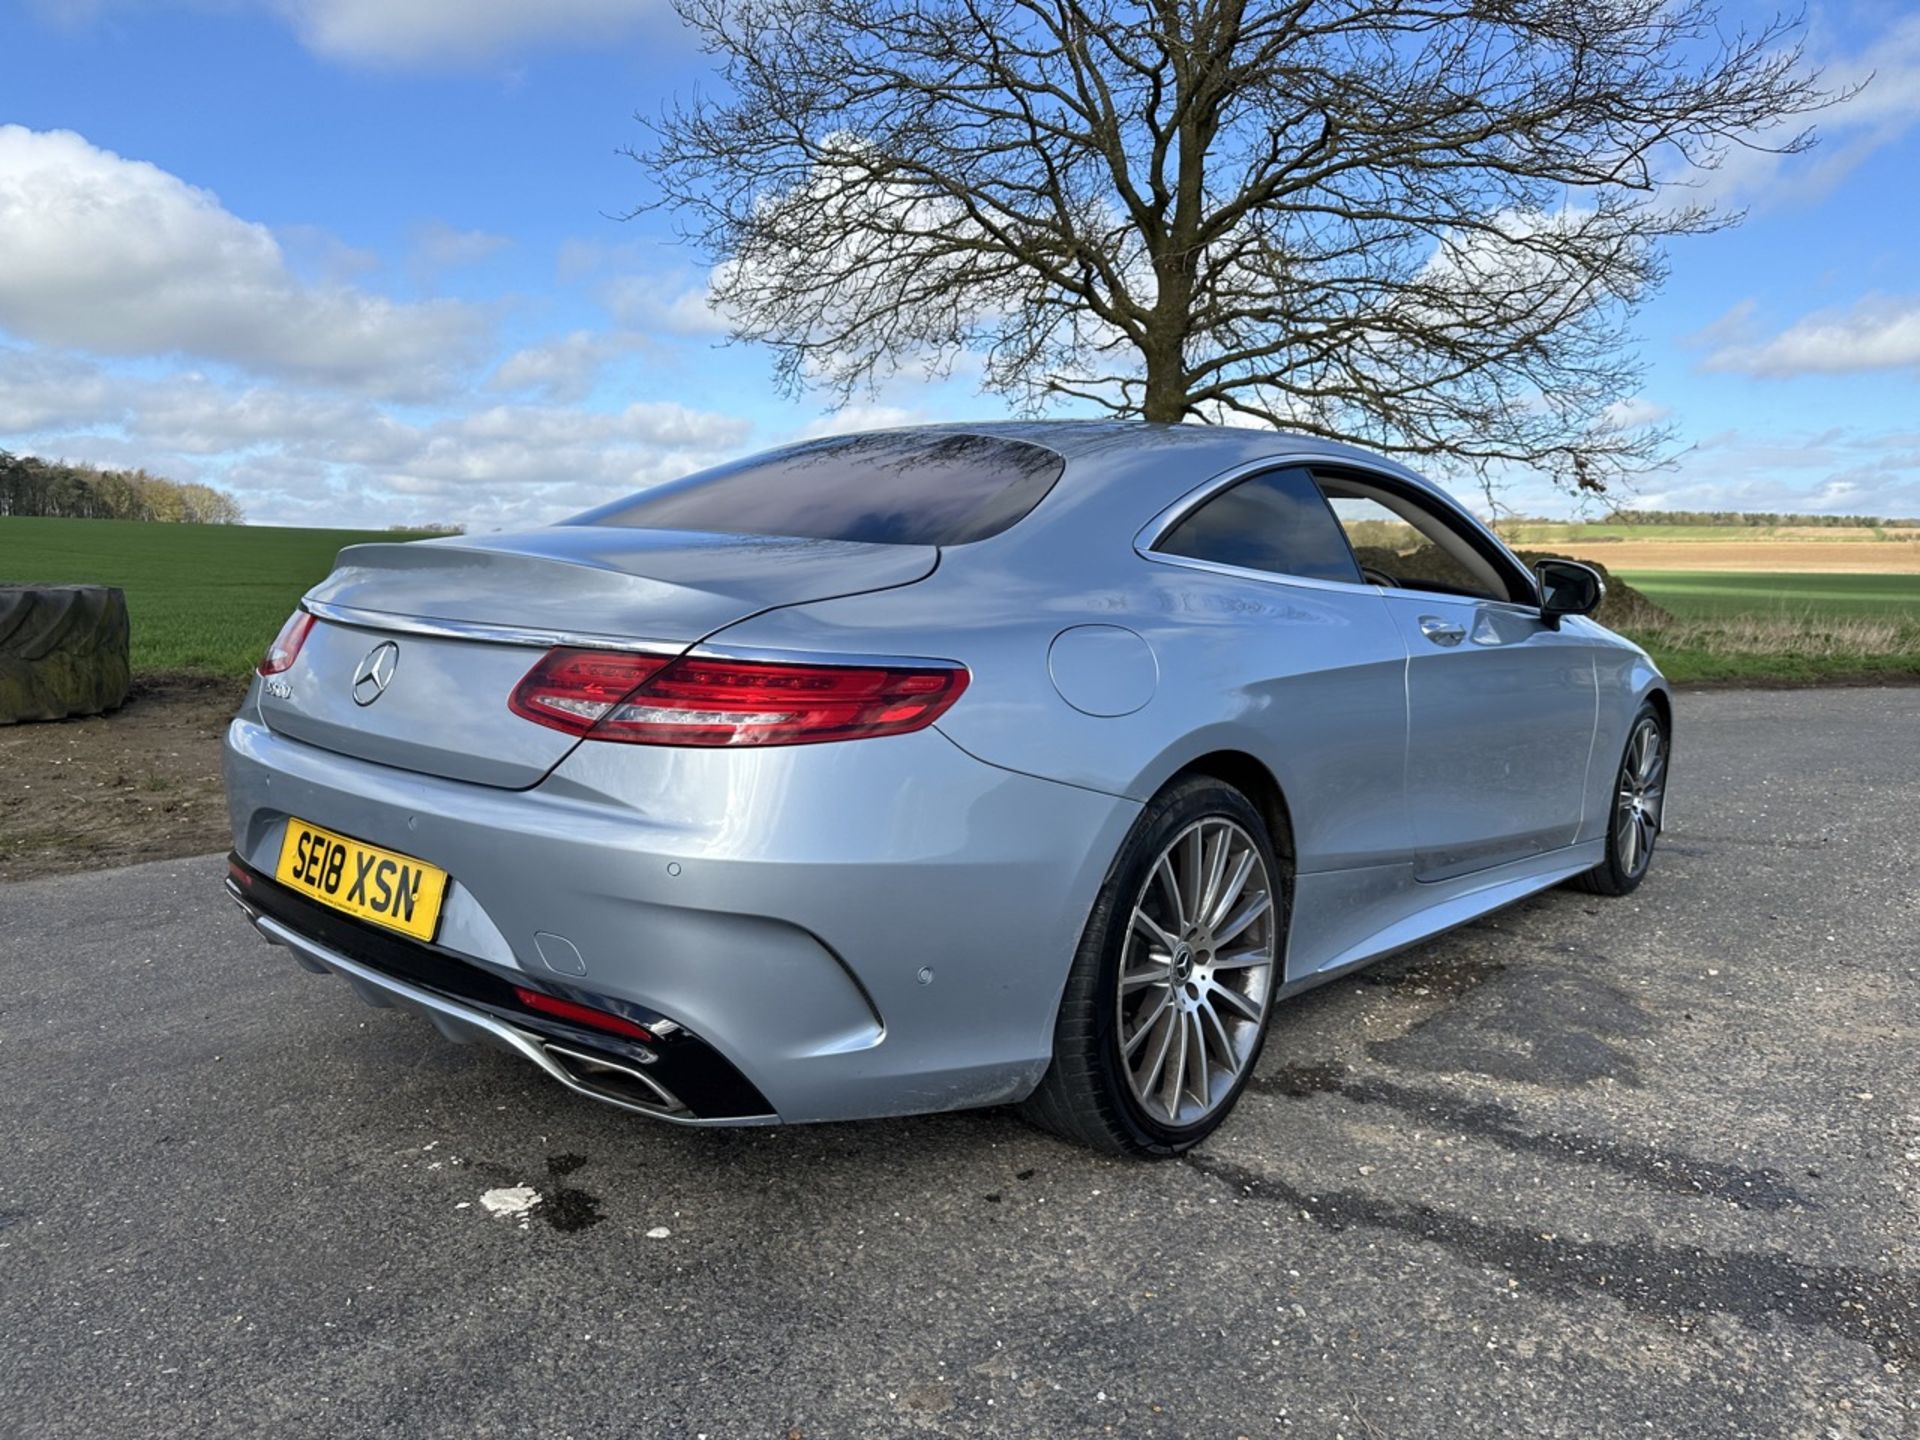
{"x": 1710, "y": 594}
{"x": 202, "y": 597}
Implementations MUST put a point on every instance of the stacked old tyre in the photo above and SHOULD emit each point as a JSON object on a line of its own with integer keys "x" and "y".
{"x": 63, "y": 651}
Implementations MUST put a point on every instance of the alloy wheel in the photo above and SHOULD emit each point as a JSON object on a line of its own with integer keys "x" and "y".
{"x": 1643, "y": 779}
{"x": 1196, "y": 972}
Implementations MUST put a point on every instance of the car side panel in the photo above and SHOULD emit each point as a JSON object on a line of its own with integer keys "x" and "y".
{"x": 1627, "y": 679}
{"x": 1308, "y": 679}
{"x": 1501, "y": 716}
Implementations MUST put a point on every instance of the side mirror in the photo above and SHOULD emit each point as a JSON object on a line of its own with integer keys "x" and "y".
{"x": 1568, "y": 588}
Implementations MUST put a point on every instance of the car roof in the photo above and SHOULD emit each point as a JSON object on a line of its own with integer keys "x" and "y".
{"x": 1200, "y": 446}
{"x": 1106, "y": 457}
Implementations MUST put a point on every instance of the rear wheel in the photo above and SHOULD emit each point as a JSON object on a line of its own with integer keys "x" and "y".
{"x": 1639, "y": 801}
{"x": 1167, "y": 1004}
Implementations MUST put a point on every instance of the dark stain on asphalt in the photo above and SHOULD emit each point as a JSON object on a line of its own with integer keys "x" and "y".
{"x": 1750, "y": 1189}
{"x": 565, "y": 1207}
{"x": 1673, "y": 1283}
{"x": 1539, "y": 1026}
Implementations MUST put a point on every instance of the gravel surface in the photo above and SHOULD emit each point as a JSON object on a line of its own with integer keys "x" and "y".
{"x": 1588, "y": 1168}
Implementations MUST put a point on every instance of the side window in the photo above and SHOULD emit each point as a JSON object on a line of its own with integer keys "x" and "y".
{"x": 1276, "y": 521}
{"x": 1399, "y": 544}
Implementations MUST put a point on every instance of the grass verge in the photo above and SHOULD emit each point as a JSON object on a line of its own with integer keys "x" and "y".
{"x": 1762, "y": 649}
{"x": 1758, "y": 628}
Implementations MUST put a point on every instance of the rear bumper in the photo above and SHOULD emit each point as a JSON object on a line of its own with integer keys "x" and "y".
{"x": 872, "y": 928}
{"x": 676, "y": 1076}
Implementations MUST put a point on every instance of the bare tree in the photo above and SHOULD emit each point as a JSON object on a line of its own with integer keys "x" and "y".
{"x": 1422, "y": 225}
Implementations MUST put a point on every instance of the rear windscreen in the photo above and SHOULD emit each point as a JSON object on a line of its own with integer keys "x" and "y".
{"x": 884, "y": 489}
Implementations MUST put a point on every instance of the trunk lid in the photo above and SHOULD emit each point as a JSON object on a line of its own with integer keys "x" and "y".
{"x": 499, "y": 602}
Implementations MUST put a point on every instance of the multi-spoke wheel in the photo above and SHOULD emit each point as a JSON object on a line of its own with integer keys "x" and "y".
{"x": 1167, "y": 1005}
{"x": 1639, "y": 798}
{"x": 1196, "y": 971}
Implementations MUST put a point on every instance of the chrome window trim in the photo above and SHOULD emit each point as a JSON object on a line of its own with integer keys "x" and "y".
{"x": 1270, "y": 577}
{"x": 1155, "y": 530}
{"x": 489, "y": 634}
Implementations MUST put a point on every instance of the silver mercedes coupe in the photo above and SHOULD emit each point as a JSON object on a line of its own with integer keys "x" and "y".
{"x": 932, "y": 768}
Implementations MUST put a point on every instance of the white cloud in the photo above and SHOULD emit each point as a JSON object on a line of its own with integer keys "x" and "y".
{"x": 120, "y": 257}
{"x": 645, "y": 303}
{"x": 1634, "y": 413}
{"x": 411, "y": 32}
{"x": 1840, "y": 471}
{"x": 438, "y": 32}
{"x": 41, "y": 391}
{"x": 299, "y": 458}
{"x": 1887, "y": 66}
{"x": 562, "y": 369}
{"x": 438, "y": 247}
{"x": 850, "y": 419}
{"x": 1876, "y": 332}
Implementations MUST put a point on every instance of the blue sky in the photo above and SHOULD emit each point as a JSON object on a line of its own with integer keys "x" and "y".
{"x": 354, "y": 261}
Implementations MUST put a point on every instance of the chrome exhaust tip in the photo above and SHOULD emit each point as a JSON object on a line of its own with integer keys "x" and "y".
{"x": 606, "y": 1076}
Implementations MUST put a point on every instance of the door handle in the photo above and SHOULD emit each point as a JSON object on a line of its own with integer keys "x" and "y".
{"x": 1442, "y": 632}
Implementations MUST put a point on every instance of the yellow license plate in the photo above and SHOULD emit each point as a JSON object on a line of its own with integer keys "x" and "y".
{"x": 379, "y": 886}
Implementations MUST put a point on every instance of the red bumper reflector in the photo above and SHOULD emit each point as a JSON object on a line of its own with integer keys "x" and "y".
{"x": 580, "y": 1014}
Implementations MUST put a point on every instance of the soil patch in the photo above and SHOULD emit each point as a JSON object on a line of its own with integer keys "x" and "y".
{"x": 1814, "y": 557}
{"x": 142, "y": 783}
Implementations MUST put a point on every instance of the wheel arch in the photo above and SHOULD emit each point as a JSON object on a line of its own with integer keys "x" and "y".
{"x": 1662, "y": 702}
{"x": 1251, "y": 777}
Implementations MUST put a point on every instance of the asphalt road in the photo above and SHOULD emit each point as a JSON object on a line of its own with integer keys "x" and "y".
{"x": 1592, "y": 1168}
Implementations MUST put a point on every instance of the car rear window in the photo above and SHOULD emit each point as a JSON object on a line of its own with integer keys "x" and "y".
{"x": 884, "y": 489}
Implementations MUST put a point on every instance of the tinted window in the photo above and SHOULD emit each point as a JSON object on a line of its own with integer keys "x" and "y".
{"x": 1405, "y": 545}
{"x": 887, "y": 489}
{"x": 1276, "y": 521}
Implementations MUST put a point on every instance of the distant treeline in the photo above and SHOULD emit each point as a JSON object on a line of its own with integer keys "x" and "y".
{"x": 1755, "y": 519}
{"x": 29, "y": 486}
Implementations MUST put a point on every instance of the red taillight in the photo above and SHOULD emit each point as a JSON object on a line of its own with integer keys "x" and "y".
{"x": 694, "y": 701}
{"x": 571, "y": 689}
{"x": 580, "y": 1014}
{"x": 286, "y": 645}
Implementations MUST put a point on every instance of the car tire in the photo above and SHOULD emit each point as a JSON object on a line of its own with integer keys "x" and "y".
{"x": 1091, "y": 1093}
{"x": 1636, "y": 807}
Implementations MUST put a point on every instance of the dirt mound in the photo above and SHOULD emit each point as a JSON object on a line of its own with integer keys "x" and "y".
{"x": 1623, "y": 609}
